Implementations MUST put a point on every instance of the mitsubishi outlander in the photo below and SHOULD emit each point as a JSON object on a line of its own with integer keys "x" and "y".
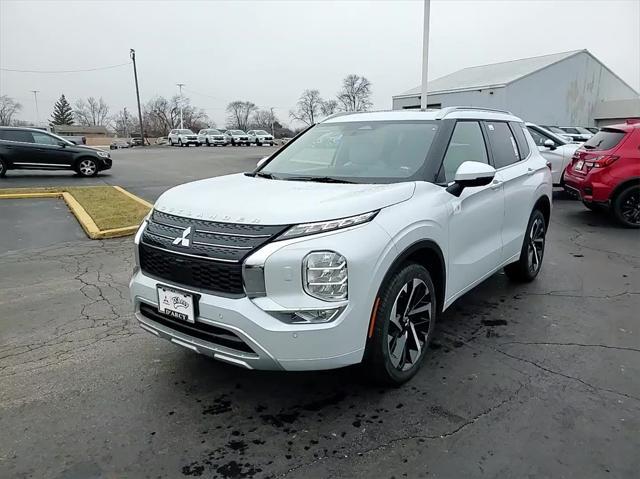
{"x": 345, "y": 245}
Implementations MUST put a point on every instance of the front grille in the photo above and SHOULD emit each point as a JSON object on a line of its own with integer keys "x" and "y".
{"x": 199, "y": 273}
{"x": 207, "y": 255}
{"x": 200, "y": 330}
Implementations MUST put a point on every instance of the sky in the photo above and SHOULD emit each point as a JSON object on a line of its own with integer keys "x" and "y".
{"x": 268, "y": 52}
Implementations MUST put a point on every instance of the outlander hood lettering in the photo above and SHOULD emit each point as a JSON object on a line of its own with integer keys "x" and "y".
{"x": 184, "y": 239}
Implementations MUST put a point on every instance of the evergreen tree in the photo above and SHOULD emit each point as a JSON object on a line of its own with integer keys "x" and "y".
{"x": 62, "y": 112}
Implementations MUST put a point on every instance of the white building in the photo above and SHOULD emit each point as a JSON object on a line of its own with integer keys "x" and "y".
{"x": 571, "y": 88}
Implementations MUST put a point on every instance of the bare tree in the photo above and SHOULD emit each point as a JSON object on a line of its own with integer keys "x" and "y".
{"x": 308, "y": 107}
{"x": 8, "y": 108}
{"x": 92, "y": 112}
{"x": 329, "y": 107}
{"x": 161, "y": 115}
{"x": 238, "y": 114}
{"x": 124, "y": 123}
{"x": 263, "y": 120}
{"x": 355, "y": 94}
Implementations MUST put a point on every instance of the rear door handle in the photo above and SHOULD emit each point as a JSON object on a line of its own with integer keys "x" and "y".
{"x": 530, "y": 171}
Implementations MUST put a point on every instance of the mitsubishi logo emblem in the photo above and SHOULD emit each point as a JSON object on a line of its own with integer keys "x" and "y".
{"x": 184, "y": 239}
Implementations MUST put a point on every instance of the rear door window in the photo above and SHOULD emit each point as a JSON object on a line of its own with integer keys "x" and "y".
{"x": 17, "y": 135}
{"x": 605, "y": 139}
{"x": 467, "y": 144}
{"x": 503, "y": 144}
{"x": 521, "y": 139}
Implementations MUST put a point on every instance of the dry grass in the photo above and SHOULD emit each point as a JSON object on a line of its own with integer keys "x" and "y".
{"x": 108, "y": 207}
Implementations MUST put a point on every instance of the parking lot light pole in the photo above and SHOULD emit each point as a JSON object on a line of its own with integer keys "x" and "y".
{"x": 180, "y": 85}
{"x": 425, "y": 55}
{"x": 132, "y": 53}
{"x": 35, "y": 95}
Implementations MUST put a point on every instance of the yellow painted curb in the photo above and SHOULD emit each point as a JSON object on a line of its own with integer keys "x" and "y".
{"x": 134, "y": 197}
{"x": 17, "y": 196}
{"x": 88, "y": 225}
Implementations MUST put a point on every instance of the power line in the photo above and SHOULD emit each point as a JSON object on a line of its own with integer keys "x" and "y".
{"x": 65, "y": 71}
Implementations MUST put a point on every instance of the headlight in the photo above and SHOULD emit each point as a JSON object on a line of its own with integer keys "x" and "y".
{"x": 325, "y": 275}
{"x": 324, "y": 226}
{"x": 103, "y": 154}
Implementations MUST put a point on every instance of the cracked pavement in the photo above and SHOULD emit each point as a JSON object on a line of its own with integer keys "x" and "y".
{"x": 540, "y": 380}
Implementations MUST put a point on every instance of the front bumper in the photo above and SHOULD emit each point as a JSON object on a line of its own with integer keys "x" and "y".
{"x": 271, "y": 343}
{"x": 105, "y": 163}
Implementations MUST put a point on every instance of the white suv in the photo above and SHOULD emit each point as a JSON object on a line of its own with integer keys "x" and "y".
{"x": 211, "y": 136}
{"x": 182, "y": 137}
{"x": 338, "y": 252}
{"x": 260, "y": 137}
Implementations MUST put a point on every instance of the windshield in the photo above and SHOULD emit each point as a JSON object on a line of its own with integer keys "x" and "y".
{"x": 186, "y": 132}
{"x": 236, "y": 132}
{"x": 213, "y": 132}
{"x": 605, "y": 139}
{"x": 261, "y": 132}
{"x": 541, "y": 136}
{"x": 555, "y": 129}
{"x": 364, "y": 152}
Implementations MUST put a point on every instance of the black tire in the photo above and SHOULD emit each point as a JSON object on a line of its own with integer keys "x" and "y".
{"x": 180, "y": 144}
{"x": 380, "y": 363}
{"x": 626, "y": 206}
{"x": 529, "y": 264}
{"x": 87, "y": 167}
{"x": 207, "y": 142}
{"x": 3, "y": 168}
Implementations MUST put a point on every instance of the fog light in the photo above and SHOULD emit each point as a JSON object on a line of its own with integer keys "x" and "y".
{"x": 325, "y": 275}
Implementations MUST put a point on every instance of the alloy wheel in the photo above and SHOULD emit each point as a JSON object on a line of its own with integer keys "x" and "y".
{"x": 535, "y": 248}
{"x": 410, "y": 325}
{"x": 630, "y": 207}
{"x": 87, "y": 167}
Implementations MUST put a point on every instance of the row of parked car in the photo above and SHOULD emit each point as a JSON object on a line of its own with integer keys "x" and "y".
{"x": 576, "y": 134}
{"x": 216, "y": 137}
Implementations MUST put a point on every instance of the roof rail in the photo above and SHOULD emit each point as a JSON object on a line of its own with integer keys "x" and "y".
{"x": 450, "y": 109}
{"x": 340, "y": 113}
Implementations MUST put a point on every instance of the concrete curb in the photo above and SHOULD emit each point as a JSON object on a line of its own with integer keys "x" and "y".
{"x": 88, "y": 225}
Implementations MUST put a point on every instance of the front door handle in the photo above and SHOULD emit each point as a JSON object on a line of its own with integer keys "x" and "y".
{"x": 496, "y": 184}
{"x": 530, "y": 171}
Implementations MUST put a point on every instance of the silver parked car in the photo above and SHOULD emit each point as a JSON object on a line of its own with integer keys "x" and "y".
{"x": 237, "y": 137}
{"x": 555, "y": 149}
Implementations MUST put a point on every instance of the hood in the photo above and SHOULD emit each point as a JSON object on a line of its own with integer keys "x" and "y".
{"x": 244, "y": 199}
{"x": 84, "y": 147}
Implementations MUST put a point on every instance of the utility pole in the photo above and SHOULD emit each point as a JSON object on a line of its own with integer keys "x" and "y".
{"x": 272, "y": 117}
{"x": 126, "y": 123}
{"x": 35, "y": 95}
{"x": 132, "y": 53}
{"x": 425, "y": 55}
{"x": 180, "y": 85}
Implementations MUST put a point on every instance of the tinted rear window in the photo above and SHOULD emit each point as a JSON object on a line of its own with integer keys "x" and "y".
{"x": 16, "y": 135}
{"x": 605, "y": 139}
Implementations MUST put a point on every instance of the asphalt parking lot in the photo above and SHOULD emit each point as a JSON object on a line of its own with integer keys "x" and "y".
{"x": 540, "y": 380}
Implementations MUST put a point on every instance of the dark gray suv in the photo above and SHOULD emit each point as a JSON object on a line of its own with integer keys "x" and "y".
{"x": 33, "y": 149}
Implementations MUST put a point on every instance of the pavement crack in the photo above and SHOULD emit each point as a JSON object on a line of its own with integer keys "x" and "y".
{"x": 583, "y": 345}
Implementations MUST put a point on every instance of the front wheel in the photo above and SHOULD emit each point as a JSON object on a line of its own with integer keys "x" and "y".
{"x": 404, "y": 321}
{"x": 528, "y": 265}
{"x": 87, "y": 167}
{"x": 626, "y": 207}
{"x": 3, "y": 168}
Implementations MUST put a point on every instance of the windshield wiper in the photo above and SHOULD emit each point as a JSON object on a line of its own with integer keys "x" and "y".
{"x": 260, "y": 174}
{"x": 317, "y": 179}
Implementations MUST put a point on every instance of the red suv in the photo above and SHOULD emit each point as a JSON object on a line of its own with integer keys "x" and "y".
{"x": 605, "y": 172}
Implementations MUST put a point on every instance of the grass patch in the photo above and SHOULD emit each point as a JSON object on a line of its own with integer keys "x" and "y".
{"x": 107, "y": 207}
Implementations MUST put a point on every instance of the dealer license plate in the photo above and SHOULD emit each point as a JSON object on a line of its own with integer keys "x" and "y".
{"x": 177, "y": 304}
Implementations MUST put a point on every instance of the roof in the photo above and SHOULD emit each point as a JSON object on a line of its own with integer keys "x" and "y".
{"x": 423, "y": 115}
{"x": 494, "y": 75}
{"x": 80, "y": 129}
{"x": 629, "y": 108}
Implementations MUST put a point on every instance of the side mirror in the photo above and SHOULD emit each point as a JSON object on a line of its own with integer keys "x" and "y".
{"x": 62, "y": 144}
{"x": 549, "y": 144}
{"x": 469, "y": 174}
{"x": 261, "y": 162}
